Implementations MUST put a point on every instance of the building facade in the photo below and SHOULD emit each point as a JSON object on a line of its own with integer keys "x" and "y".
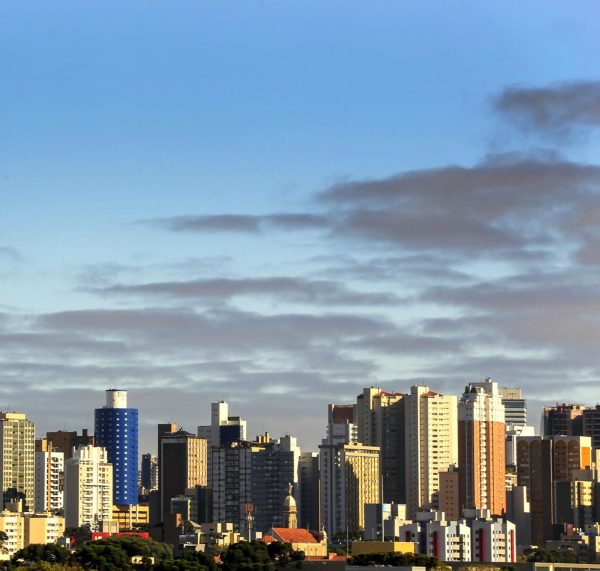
{"x": 380, "y": 418}
{"x": 481, "y": 448}
{"x": 431, "y": 445}
{"x": 17, "y": 459}
{"x": 116, "y": 428}
{"x": 309, "y": 486}
{"x": 515, "y": 406}
{"x": 49, "y": 477}
{"x": 149, "y": 472}
{"x": 183, "y": 465}
{"x": 88, "y": 487}
{"x": 349, "y": 481}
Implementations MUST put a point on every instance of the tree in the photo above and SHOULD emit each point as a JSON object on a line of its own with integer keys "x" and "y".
{"x": 103, "y": 555}
{"x": 247, "y": 556}
{"x": 79, "y": 535}
{"x": 35, "y": 553}
{"x": 206, "y": 561}
{"x": 394, "y": 560}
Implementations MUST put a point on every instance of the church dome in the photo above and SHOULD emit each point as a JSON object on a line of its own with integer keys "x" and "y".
{"x": 289, "y": 502}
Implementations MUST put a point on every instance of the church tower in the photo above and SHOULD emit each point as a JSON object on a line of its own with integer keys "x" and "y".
{"x": 290, "y": 512}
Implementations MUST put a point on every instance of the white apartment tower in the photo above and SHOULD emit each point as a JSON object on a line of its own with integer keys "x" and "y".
{"x": 17, "y": 458}
{"x": 88, "y": 487}
{"x": 431, "y": 445}
{"x": 49, "y": 474}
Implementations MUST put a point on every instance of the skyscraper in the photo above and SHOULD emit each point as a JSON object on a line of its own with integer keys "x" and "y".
{"x": 563, "y": 420}
{"x": 380, "y": 416}
{"x": 17, "y": 458}
{"x": 349, "y": 481}
{"x": 481, "y": 448}
{"x": 431, "y": 445}
{"x": 183, "y": 466}
{"x": 149, "y": 476}
{"x": 88, "y": 487}
{"x": 515, "y": 406}
{"x": 308, "y": 484}
{"x": 49, "y": 473}
{"x": 116, "y": 428}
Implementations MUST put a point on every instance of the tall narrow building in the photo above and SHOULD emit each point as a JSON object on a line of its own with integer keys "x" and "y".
{"x": 380, "y": 416}
{"x": 183, "y": 466}
{"x": 49, "y": 477}
{"x": 349, "y": 473}
{"x": 431, "y": 437}
{"x": 17, "y": 457}
{"x": 515, "y": 406}
{"x": 309, "y": 485}
{"x": 349, "y": 481}
{"x": 481, "y": 448}
{"x": 116, "y": 428}
{"x": 89, "y": 487}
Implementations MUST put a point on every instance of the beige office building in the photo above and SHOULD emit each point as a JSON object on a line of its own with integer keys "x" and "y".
{"x": 43, "y": 528}
{"x": 349, "y": 480}
{"x": 380, "y": 416}
{"x": 431, "y": 445}
{"x": 88, "y": 487}
{"x": 17, "y": 455}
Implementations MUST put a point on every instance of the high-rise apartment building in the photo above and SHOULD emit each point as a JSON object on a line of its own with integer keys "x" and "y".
{"x": 116, "y": 428}
{"x": 223, "y": 428}
{"x": 515, "y": 406}
{"x": 481, "y": 448}
{"x": 570, "y": 454}
{"x": 49, "y": 477}
{"x": 251, "y": 481}
{"x": 350, "y": 475}
{"x": 232, "y": 484}
{"x": 309, "y": 486}
{"x": 431, "y": 445}
{"x": 64, "y": 441}
{"x": 183, "y": 465}
{"x": 17, "y": 459}
{"x": 380, "y": 416}
{"x": 563, "y": 420}
{"x": 88, "y": 487}
{"x": 149, "y": 472}
{"x": 543, "y": 461}
{"x": 591, "y": 425}
{"x": 574, "y": 503}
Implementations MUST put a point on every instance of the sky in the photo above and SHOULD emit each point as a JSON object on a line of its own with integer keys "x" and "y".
{"x": 279, "y": 203}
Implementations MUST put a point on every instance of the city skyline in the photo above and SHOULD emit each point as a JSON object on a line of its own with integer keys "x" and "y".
{"x": 280, "y": 205}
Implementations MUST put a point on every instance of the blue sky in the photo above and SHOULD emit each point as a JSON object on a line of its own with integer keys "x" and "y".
{"x": 127, "y": 126}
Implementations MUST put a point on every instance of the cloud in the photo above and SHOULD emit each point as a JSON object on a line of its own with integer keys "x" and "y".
{"x": 560, "y": 110}
{"x": 218, "y": 331}
{"x": 10, "y": 254}
{"x": 297, "y": 290}
{"x": 516, "y": 207}
{"x": 240, "y": 223}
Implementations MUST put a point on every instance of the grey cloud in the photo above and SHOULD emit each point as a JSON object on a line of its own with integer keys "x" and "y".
{"x": 558, "y": 110}
{"x": 291, "y": 289}
{"x": 507, "y": 207}
{"x": 11, "y": 254}
{"x": 406, "y": 344}
{"x": 241, "y": 223}
{"x": 516, "y": 207}
{"x": 218, "y": 331}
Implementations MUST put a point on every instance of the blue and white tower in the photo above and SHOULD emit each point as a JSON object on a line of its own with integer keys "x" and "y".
{"x": 116, "y": 428}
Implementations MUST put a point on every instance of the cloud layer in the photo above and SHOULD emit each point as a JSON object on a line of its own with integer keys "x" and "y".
{"x": 437, "y": 275}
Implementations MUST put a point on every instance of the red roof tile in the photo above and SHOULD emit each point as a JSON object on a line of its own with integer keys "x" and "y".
{"x": 288, "y": 535}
